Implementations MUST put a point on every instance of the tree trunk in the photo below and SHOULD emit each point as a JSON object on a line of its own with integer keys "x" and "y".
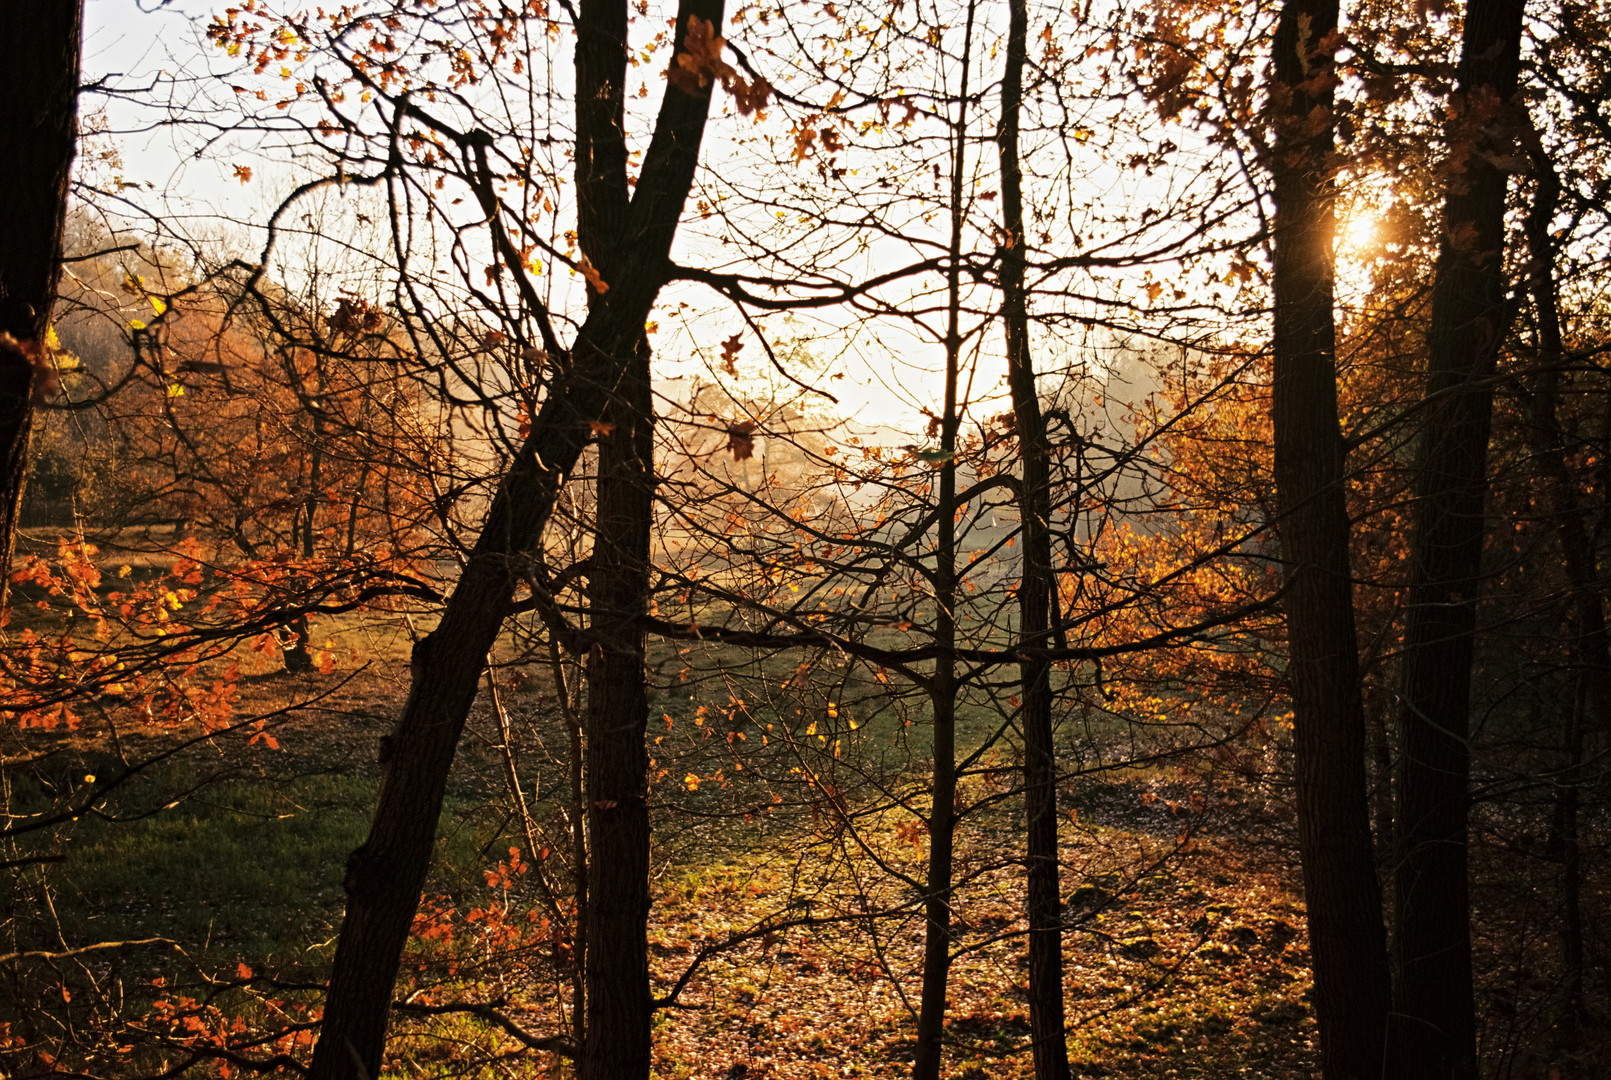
{"x": 385, "y": 875}
{"x": 943, "y": 686}
{"x": 1591, "y": 649}
{"x": 38, "y": 138}
{"x": 1050, "y": 1048}
{"x": 1343, "y": 897}
{"x": 618, "y": 994}
{"x": 1435, "y": 1027}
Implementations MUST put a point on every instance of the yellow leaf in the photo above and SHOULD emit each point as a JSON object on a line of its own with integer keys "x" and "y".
{"x": 136, "y": 324}
{"x": 176, "y": 390}
{"x": 157, "y": 304}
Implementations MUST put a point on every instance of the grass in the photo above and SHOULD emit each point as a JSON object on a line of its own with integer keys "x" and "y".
{"x": 250, "y": 867}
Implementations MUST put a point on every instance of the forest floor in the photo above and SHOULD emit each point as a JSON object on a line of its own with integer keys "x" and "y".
{"x": 1185, "y": 950}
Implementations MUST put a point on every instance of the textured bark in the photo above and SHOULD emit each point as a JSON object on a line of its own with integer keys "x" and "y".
{"x": 618, "y": 994}
{"x": 38, "y": 138}
{"x": 1435, "y": 1027}
{"x": 1346, "y": 935}
{"x": 1049, "y": 1045}
{"x": 385, "y": 875}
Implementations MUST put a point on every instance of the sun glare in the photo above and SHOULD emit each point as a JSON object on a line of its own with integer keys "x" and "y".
{"x": 1357, "y": 234}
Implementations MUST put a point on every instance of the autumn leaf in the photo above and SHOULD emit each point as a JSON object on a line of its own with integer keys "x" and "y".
{"x": 750, "y": 97}
{"x": 600, "y": 428}
{"x": 803, "y": 138}
{"x": 730, "y": 351}
{"x": 741, "y": 440}
{"x": 701, "y": 64}
{"x": 701, "y": 61}
{"x": 243, "y": 173}
{"x": 592, "y": 276}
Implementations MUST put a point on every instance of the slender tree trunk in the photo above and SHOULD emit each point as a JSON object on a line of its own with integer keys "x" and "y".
{"x": 298, "y": 651}
{"x": 1591, "y": 649}
{"x": 385, "y": 875}
{"x": 1050, "y": 1048}
{"x": 570, "y": 707}
{"x": 1435, "y": 1030}
{"x": 943, "y": 686}
{"x": 38, "y": 138}
{"x": 1346, "y": 935}
{"x": 618, "y": 994}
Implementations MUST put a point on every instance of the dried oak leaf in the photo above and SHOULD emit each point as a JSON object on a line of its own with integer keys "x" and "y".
{"x": 730, "y": 350}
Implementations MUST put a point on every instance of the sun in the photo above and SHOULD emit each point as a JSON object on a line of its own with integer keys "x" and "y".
{"x": 1357, "y": 233}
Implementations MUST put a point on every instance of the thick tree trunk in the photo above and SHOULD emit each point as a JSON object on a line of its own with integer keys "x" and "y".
{"x": 1050, "y": 1048}
{"x": 618, "y": 993}
{"x": 1346, "y": 934}
{"x": 1435, "y": 1025}
{"x": 386, "y": 874}
{"x": 38, "y": 138}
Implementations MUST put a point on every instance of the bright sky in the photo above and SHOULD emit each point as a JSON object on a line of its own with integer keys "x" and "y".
{"x": 885, "y": 375}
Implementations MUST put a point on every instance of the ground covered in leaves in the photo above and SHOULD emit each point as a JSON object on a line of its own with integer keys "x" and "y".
{"x": 785, "y": 922}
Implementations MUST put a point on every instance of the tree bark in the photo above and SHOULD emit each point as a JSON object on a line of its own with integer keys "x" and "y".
{"x": 943, "y": 685}
{"x": 385, "y": 875}
{"x": 1049, "y": 1045}
{"x": 618, "y": 993}
{"x": 1435, "y": 1025}
{"x": 38, "y": 138}
{"x": 1346, "y": 935}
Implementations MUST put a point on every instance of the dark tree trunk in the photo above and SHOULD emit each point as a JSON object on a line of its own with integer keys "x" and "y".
{"x": 618, "y": 993}
{"x": 1591, "y": 649}
{"x": 1050, "y": 1048}
{"x": 1346, "y": 934}
{"x": 38, "y": 137}
{"x": 1435, "y": 1025}
{"x": 385, "y": 875}
{"x": 943, "y": 686}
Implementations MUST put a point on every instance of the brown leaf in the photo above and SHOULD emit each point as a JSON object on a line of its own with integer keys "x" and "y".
{"x": 701, "y": 62}
{"x": 741, "y": 440}
{"x": 730, "y": 351}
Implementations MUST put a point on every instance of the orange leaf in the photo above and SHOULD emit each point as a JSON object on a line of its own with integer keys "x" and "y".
{"x": 243, "y": 173}
{"x": 592, "y": 276}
